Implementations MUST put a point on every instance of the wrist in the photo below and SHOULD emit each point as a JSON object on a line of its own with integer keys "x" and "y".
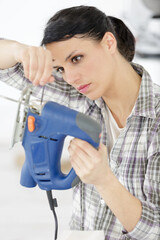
{"x": 106, "y": 181}
{"x": 17, "y": 48}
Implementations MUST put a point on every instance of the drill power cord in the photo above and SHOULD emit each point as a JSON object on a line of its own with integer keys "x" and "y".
{"x": 53, "y": 204}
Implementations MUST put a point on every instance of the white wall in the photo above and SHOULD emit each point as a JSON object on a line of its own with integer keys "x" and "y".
{"x": 24, "y": 20}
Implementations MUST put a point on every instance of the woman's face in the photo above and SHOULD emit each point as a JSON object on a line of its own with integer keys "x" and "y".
{"x": 85, "y": 64}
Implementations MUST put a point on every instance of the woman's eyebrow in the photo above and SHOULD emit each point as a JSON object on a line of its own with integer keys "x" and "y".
{"x": 56, "y": 67}
{"x": 70, "y": 55}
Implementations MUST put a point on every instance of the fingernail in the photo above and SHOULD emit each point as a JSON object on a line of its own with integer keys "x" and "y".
{"x": 34, "y": 83}
{"x": 42, "y": 83}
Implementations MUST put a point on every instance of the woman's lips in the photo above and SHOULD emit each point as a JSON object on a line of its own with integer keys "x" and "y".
{"x": 84, "y": 88}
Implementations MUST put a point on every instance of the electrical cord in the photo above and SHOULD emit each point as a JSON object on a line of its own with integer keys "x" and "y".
{"x": 53, "y": 204}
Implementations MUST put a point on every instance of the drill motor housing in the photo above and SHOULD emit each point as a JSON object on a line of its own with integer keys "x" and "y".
{"x": 43, "y": 142}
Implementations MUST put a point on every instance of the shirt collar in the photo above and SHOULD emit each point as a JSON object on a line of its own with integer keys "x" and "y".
{"x": 145, "y": 104}
{"x": 100, "y": 102}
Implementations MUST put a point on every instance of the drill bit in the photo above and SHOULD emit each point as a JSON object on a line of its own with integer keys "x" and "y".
{"x": 10, "y": 99}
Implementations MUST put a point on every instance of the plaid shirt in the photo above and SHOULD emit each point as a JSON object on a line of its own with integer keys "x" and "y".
{"x": 134, "y": 158}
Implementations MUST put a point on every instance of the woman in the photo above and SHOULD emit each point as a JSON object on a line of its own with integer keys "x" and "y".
{"x": 92, "y": 55}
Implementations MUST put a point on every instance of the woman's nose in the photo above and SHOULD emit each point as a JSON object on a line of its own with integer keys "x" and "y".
{"x": 71, "y": 76}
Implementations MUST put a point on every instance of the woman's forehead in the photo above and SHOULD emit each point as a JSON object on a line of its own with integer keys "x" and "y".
{"x": 72, "y": 42}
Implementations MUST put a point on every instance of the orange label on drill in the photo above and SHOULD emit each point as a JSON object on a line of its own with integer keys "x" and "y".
{"x": 31, "y": 123}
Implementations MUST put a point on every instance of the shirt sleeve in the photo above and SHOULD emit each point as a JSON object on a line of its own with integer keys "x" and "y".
{"x": 58, "y": 91}
{"x": 148, "y": 226}
{"x": 14, "y": 76}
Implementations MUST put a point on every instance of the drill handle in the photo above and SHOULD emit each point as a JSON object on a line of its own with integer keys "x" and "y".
{"x": 26, "y": 178}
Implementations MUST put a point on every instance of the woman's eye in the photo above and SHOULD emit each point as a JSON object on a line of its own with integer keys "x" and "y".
{"x": 60, "y": 70}
{"x": 76, "y": 59}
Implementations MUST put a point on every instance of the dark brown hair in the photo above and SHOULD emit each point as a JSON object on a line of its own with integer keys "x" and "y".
{"x": 89, "y": 22}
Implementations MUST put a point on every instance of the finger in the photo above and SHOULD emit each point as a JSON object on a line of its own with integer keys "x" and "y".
{"x": 41, "y": 65}
{"x": 33, "y": 64}
{"x": 51, "y": 79}
{"x": 102, "y": 148}
{"x": 75, "y": 167}
{"x": 24, "y": 58}
{"x": 72, "y": 158}
{"x": 80, "y": 169}
{"x": 87, "y": 147}
{"x": 83, "y": 159}
{"x": 74, "y": 162}
{"x": 47, "y": 73}
{"x": 25, "y": 63}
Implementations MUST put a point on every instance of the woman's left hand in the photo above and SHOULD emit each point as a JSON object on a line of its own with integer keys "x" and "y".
{"x": 90, "y": 164}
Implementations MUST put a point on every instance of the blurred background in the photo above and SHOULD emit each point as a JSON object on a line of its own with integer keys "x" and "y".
{"x": 24, "y": 213}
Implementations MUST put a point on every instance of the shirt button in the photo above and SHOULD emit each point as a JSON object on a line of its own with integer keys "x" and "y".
{"x": 102, "y": 202}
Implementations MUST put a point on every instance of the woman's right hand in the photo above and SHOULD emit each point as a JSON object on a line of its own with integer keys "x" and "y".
{"x": 37, "y": 63}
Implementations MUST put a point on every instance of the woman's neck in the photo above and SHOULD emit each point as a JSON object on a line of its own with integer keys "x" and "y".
{"x": 123, "y": 95}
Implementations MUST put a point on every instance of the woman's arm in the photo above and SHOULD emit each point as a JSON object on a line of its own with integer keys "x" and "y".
{"x": 7, "y": 53}
{"x": 139, "y": 219}
{"x": 92, "y": 167}
{"x": 36, "y": 61}
{"x": 122, "y": 203}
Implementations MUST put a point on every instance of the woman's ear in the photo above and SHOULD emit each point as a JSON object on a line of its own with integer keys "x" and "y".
{"x": 109, "y": 41}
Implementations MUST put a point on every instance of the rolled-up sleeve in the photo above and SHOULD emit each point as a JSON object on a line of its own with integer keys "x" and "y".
{"x": 58, "y": 91}
{"x": 14, "y": 76}
{"x": 148, "y": 227}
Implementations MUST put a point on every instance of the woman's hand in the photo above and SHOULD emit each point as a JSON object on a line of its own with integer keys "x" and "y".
{"x": 90, "y": 164}
{"x": 92, "y": 167}
{"x": 36, "y": 61}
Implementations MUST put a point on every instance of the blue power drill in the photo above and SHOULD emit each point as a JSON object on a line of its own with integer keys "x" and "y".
{"x": 43, "y": 141}
{"x": 42, "y": 132}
